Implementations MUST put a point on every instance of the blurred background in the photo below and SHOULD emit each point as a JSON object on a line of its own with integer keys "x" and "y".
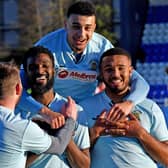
{"x": 140, "y": 26}
{"x": 23, "y": 22}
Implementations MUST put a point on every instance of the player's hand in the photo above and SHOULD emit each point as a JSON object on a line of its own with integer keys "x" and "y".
{"x": 133, "y": 127}
{"x": 55, "y": 119}
{"x": 100, "y": 124}
{"x": 98, "y": 127}
{"x": 120, "y": 110}
{"x": 69, "y": 109}
{"x": 115, "y": 128}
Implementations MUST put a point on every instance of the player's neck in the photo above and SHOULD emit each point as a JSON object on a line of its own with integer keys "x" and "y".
{"x": 8, "y": 102}
{"x": 45, "y": 98}
{"x": 117, "y": 97}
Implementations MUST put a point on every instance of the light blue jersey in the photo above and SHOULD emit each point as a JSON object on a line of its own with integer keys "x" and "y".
{"x": 80, "y": 137}
{"x": 79, "y": 79}
{"x": 119, "y": 152}
{"x": 76, "y": 79}
{"x": 18, "y": 136}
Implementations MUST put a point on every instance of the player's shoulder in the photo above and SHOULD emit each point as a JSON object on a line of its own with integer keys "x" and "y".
{"x": 149, "y": 105}
{"x": 52, "y": 36}
{"x": 99, "y": 42}
{"x": 147, "y": 101}
{"x": 96, "y": 36}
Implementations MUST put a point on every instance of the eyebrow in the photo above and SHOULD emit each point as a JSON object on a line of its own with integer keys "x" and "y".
{"x": 41, "y": 62}
{"x": 120, "y": 65}
{"x": 77, "y": 23}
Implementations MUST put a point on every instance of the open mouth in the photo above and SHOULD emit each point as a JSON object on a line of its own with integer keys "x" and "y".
{"x": 115, "y": 82}
{"x": 79, "y": 41}
{"x": 41, "y": 79}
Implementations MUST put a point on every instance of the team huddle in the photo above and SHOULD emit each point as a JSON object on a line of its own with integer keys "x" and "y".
{"x": 52, "y": 116}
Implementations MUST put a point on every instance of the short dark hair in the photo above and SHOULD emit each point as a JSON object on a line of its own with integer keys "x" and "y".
{"x": 84, "y": 8}
{"x": 115, "y": 51}
{"x": 34, "y": 52}
{"x": 9, "y": 77}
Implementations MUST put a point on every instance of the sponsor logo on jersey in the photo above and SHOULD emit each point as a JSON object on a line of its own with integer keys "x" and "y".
{"x": 63, "y": 74}
{"x": 82, "y": 76}
{"x": 89, "y": 76}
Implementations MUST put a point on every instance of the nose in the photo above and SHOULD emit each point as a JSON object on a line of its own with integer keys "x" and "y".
{"x": 116, "y": 72}
{"x": 81, "y": 32}
{"x": 39, "y": 69}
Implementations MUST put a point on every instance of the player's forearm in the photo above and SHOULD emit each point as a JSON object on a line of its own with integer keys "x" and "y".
{"x": 156, "y": 149}
{"x": 93, "y": 136}
{"x": 139, "y": 88}
{"x": 62, "y": 138}
{"x": 76, "y": 157}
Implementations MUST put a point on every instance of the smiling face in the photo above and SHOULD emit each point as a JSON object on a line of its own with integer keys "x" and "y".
{"x": 115, "y": 72}
{"x": 80, "y": 30}
{"x": 40, "y": 73}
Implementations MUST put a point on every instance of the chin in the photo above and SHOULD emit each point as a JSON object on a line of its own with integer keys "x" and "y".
{"x": 80, "y": 48}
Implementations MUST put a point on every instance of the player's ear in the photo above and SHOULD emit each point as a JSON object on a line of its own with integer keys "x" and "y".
{"x": 131, "y": 70}
{"x": 19, "y": 88}
{"x": 94, "y": 28}
{"x": 54, "y": 71}
{"x": 95, "y": 23}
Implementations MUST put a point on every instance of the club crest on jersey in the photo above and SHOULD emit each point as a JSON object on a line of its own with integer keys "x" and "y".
{"x": 93, "y": 64}
{"x": 137, "y": 114}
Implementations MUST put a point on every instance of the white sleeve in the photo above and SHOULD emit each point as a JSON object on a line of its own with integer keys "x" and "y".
{"x": 35, "y": 139}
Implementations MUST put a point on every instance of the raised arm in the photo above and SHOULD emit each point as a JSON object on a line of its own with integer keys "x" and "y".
{"x": 139, "y": 88}
{"x": 62, "y": 138}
